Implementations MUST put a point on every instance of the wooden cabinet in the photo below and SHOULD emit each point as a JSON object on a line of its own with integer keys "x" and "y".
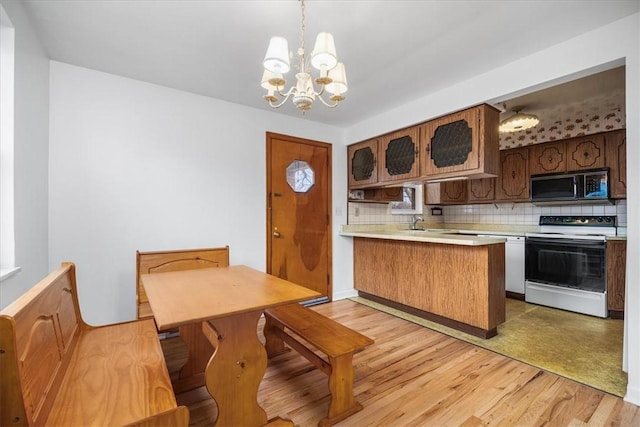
{"x": 399, "y": 155}
{"x": 547, "y": 158}
{"x": 513, "y": 181}
{"x": 363, "y": 168}
{"x": 616, "y": 269}
{"x": 586, "y": 153}
{"x": 461, "y": 144}
{"x": 446, "y": 193}
{"x": 464, "y": 284}
{"x": 481, "y": 190}
{"x": 616, "y": 153}
{"x": 453, "y": 192}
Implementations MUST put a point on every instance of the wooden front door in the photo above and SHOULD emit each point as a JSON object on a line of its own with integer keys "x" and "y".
{"x": 298, "y": 211}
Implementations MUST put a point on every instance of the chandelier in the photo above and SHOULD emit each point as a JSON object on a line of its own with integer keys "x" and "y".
{"x": 519, "y": 121}
{"x": 331, "y": 78}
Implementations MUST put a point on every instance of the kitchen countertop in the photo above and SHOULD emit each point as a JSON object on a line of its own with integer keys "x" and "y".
{"x": 454, "y": 234}
{"x": 429, "y": 235}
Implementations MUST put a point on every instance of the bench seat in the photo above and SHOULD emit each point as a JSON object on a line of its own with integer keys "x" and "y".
{"x": 293, "y": 324}
{"x": 59, "y": 371}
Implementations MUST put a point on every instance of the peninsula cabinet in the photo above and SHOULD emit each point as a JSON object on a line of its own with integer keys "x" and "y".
{"x": 547, "y": 158}
{"x": 399, "y": 155}
{"x": 616, "y": 153}
{"x": 616, "y": 268}
{"x": 363, "y": 168}
{"x": 586, "y": 153}
{"x": 513, "y": 181}
{"x": 465, "y": 143}
{"x": 460, "y": 286}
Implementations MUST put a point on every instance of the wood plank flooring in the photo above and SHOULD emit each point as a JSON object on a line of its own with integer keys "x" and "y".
{"x": 413, "y": 376}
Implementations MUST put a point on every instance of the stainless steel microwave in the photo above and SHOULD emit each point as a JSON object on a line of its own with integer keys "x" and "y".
{"x": 579, "y": 187}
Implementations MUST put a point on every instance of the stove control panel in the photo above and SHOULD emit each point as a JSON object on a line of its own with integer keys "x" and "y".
{"x": 592, "y": 221}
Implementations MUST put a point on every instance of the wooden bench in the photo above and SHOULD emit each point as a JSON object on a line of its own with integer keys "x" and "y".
{"x": 178, "y": 260}
{"x": 336, "y": 341}
{"x": 191, "y": 374}
{"x": 57, "y": 370}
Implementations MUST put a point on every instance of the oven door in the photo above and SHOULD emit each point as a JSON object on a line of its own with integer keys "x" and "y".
{"x": 570, "y": 263}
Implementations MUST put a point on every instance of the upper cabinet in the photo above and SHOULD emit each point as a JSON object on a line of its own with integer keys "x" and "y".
{"x": 363, "y": 168}
{"x": 585, "y": 153}
{"x": 399, "y": 155}
{"x": 481, "y": 190}
{"x": 461, "y": 144}
{"x": 547, "y": 158}
{"x": 616, "y": 149}
{"x": 513, "y": 182}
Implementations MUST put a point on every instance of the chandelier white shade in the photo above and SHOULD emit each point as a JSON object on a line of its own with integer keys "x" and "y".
{"x": 519, "y": 121}
{"x": 331, "y": 78}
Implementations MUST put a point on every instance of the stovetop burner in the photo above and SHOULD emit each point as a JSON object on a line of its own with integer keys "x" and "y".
{"x": 603, "y": 225}
{"x": 579, "y": 221}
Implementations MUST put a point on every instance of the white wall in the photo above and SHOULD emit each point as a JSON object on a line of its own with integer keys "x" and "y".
{"x": 135, "y": 166}
{"x": 31, "y": 127}
{"x": 616, "y": 43}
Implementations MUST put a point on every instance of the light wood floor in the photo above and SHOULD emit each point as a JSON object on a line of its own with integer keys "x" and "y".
{"x": 413, "y": 376}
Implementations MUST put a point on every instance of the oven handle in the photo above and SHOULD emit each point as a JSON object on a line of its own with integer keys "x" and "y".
{"x": 564, "y": 242}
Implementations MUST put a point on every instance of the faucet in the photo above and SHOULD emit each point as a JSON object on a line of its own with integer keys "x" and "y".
{"x": 414, "y": 221}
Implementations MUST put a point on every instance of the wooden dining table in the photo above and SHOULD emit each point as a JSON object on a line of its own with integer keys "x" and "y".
{"x": 227, "y": 302}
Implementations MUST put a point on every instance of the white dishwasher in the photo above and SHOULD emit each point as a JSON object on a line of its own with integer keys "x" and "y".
{"x": 514, "y": 262}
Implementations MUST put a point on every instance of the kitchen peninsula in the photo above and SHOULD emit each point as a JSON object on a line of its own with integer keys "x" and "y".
{"x": 450, "y": 278}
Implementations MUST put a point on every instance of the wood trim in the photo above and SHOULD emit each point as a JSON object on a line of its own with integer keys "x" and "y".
{"x": 471, "y": 330}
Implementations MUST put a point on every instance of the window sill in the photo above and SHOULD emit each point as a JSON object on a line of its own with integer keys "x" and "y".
{"x": 5, "y": 273}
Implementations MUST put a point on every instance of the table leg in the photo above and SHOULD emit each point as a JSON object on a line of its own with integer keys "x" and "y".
{"x": 200, "y": 350}
{"x": 236, "y": 369}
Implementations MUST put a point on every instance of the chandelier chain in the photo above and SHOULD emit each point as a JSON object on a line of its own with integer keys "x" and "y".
{"x": 302, "y": 51}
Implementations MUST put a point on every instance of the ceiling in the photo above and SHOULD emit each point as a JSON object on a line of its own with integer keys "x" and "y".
{"x": 394, "y": 51}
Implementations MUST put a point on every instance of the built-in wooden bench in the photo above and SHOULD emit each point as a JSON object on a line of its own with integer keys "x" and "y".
{"x": 57, "y": 370}
{"x": 292, "y": 322}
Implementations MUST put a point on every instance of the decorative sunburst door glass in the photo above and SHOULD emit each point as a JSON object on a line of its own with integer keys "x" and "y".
{"x": 300, "y": 176}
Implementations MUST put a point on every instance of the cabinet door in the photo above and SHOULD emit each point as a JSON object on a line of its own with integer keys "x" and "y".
{"x": 616, "y": 152}
{"x": 362, "y": 167}
{"x": 399, "y": 155}
{"x": 585, "y": 153}
{"x": 616, "y": 267}
{"x": 513, "y": 181}
{"x": 450, "y": 143}
{"x": 481, "y": 190}
{"x": 452, "y": 192}
{"x": 547, "y": 158}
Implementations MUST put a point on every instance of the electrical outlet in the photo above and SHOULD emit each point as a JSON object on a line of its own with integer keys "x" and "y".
{"x": 356, "y": 211}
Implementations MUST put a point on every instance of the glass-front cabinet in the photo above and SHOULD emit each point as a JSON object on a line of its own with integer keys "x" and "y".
{"x": 399, "y": 155}
{"x": 463, "y": 143}
{"x": 363, "y": 165}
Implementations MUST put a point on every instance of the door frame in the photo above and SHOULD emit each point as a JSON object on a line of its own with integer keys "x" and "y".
{"x": 270, "y": 136}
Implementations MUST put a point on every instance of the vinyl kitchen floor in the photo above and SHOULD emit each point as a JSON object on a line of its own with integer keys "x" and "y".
{"x": 582, "y": 348}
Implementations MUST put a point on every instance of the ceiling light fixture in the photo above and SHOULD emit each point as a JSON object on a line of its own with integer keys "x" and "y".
{"x": 519, "y": 121}
{"x": 332, "y": 76}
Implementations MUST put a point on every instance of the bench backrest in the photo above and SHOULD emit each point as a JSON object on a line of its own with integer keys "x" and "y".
{"x": 38, "y": 333}
{"x": 165, "y": 261}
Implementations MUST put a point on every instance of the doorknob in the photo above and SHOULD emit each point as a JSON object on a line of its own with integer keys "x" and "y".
{"x": 276, "y": 233}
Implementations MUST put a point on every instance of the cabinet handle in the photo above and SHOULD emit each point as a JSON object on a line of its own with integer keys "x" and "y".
{"x": 513, "y": 174}
{"x": 550, "y": 159}
{"x": 276, "y": 233}
{"x": 428, "y": 148}
{"x": 585, "y": 154}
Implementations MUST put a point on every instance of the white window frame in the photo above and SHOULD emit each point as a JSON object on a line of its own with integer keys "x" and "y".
{"x": 7, "y": 67}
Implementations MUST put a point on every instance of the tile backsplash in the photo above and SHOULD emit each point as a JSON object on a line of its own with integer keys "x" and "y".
{"x": 498, "y": 213}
